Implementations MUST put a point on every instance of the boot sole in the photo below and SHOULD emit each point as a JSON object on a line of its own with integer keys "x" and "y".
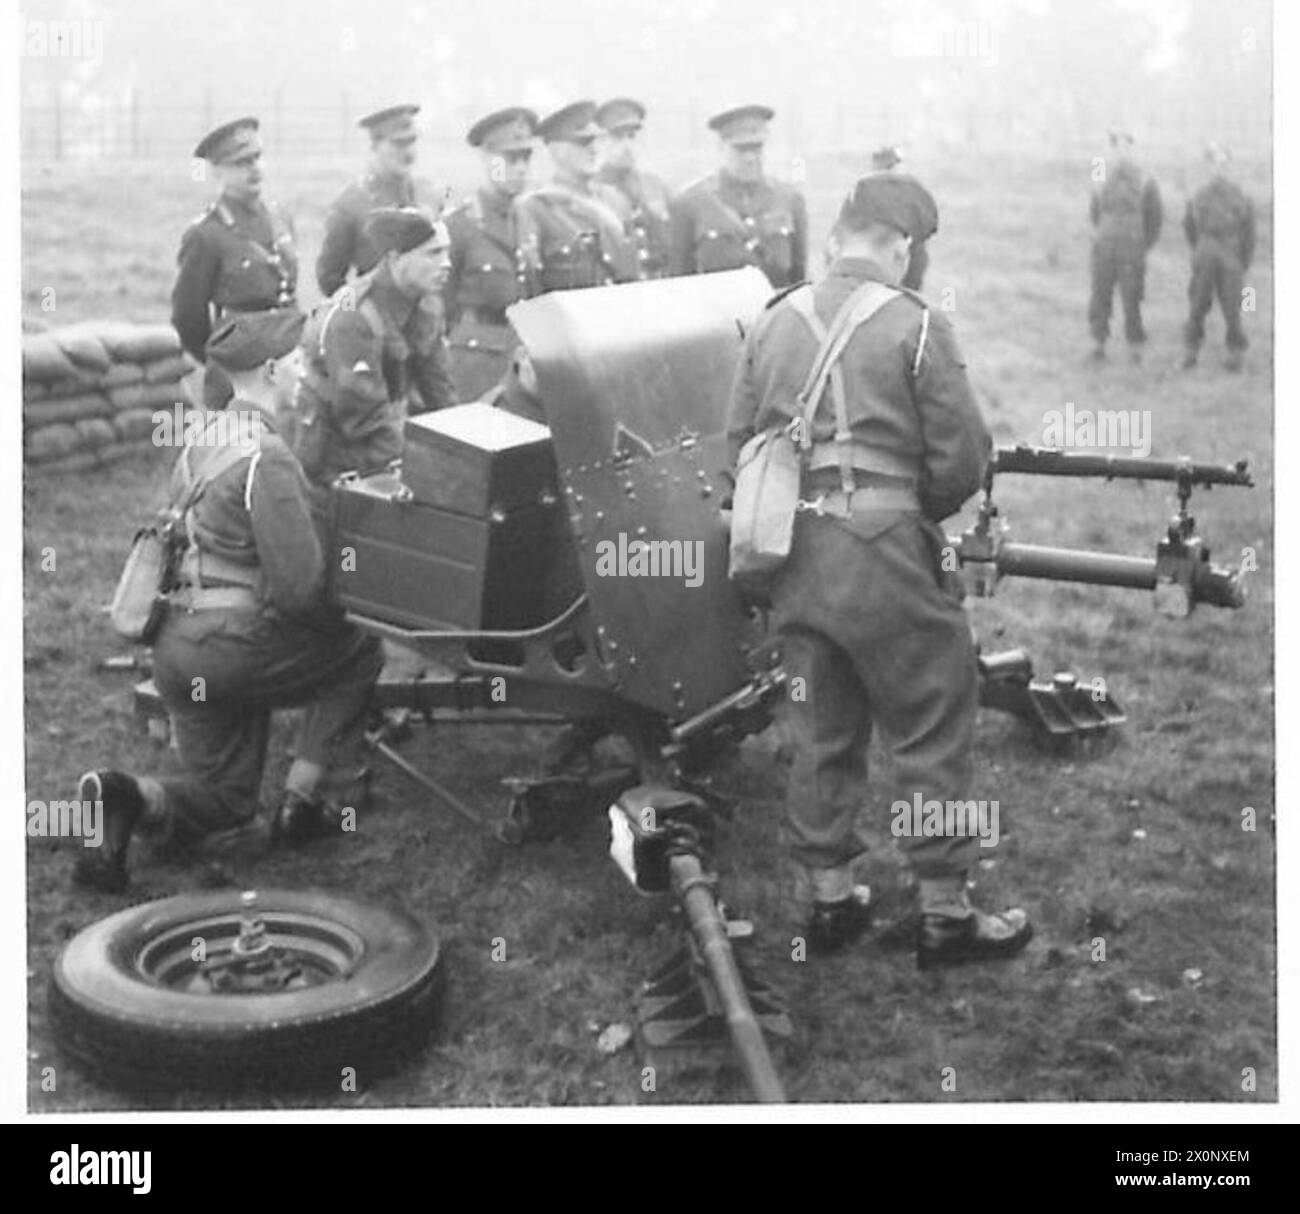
{"x": 973, "y": 950}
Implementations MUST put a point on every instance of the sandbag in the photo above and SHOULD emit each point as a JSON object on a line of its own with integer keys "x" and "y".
{"x": 140, "y": 343}
{"x": 169, "y": 369}
{"x": 132, "y": 424}
{"x": 78, "y": 461}
{"x": 94, "y": 432}
{"x": 66, "y": 409}
{"x": 44, "y": 359}
{"x": 144, "y": 395}
{"x": 122, "y": 373}
{"x": 83, "y": 347}
{"x": 84, "y": 382}
{"x": 33, "y": 389}
{"x": 121, "y": 450}
{"x": 50, "y": 443}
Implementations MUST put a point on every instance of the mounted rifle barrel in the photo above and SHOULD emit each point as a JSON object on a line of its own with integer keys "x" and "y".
{"x": 1047, "y": 461}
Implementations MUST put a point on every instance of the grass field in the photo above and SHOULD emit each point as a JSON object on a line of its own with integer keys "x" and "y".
{"x": 1140, "y": 844}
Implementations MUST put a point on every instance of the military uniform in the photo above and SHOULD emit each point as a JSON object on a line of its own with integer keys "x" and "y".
{"x": 724, "y": 223}
{"x": 238, "y": 256}
{"x": 372, "y": 356}
{"x": 1220, "y": 227}
{"x": 644, "y": 199}
{"x": 1126, "y": 214}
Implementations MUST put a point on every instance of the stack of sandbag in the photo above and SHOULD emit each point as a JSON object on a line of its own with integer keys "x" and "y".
{"x": 90, "y": 391}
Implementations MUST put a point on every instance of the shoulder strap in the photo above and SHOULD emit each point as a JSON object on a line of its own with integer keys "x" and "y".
{"x": 224, "y": 459}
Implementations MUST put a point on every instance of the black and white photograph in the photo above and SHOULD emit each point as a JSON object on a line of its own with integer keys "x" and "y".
{"x": 648, "y": 558}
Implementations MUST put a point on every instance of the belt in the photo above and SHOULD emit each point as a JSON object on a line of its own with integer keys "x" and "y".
{"x": 828, "y": 479}
{"x": 835, "y": 502}
{"x": 485, "y": 316}
{"x": 202, "y": 598}
{"x": 201, "y": 569}
{"x": 864, "y": 459}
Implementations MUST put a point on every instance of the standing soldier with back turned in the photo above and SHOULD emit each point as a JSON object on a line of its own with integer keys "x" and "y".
{"x": 1220, "y": 227}
{"x": 646, "y": 198}
{"x": 1126, "y": 215}
{"x": 388, "y": 182}
{"x": 489, "y": 271}
{"x": 739, "y": 216}
{"x": 238, "y": 256}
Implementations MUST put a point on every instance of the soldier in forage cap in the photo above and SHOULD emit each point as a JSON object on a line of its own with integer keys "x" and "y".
{"x": 489, "y": 271}
{"x": 376, "y": 351}
{"x": 389, "y": 181}
{"x": 238, "y": 256}
{"x": 1126, "y": 215}
{"x": 646, "y": 199}
{"x": 250, "y": 621}
{"x": 739, "y": 216}
{"x": 572, "y": 230}
{"x": 1220, "y": 227}
{"x": 869, "y": 615}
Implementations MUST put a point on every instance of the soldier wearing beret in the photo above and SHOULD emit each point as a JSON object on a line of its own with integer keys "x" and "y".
{"x": 739, "y": 216}
{"x": 572, "y": 230}
{"x": 489, "y": 271}
{"x": 248, "y": 629}
{"x": 870, "y": 619}
{"x": 884, "y": 160}
{"x": 1220, "y": 227}
{"x": 376, "y": 351}
{"x": 388, "y": 182}
{"x": 238, "y": 256}
{"x": 1126, "y": 215}
{"x": 646, "y": 199}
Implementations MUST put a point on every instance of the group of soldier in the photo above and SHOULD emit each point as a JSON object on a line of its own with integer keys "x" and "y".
{"x": 1127, "y": 215}
{"x": 868, "y": 613}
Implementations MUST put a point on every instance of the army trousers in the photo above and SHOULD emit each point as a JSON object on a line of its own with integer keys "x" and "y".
{"x": 1216, "y": 273}
{"x": 221, "y": 672}
{"x": 1118, "y": 260}
{"x": 872, "y": 631}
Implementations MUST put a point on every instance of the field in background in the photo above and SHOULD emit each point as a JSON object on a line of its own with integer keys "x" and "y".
{"x": 1192, "y": 893}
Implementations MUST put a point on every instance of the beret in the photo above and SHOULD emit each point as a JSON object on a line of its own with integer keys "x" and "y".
{"x": 508, "y": 130}
{"x": 893, "y": 198}
{"x": 227, "y": 140}
{"x": 246, "y": 340}
{"x": 619, "y": 112}
{"x": 395, "y": 122}
{"x": 574, "y": 121}
{"x": 743, "y": 123}
{"x": 398, "y": 229}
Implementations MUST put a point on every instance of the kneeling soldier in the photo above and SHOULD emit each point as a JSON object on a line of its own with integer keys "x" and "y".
{"x": 376, "y": 352}
{"x": 871, "y": 622}
{"x": 248, "y": 630}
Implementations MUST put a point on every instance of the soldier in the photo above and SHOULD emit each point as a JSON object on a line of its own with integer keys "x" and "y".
{"x": 248, "y": 630}
{"x": 738, "y": 216}
{"x": 646, "y": 199}
{"x": 885, "y": 160}
{"x": 368, "y": 349}
{"x": 238, "y": 256}
{"x": 1126, "y": 212}
{"x": 871, "y": 623}
{"x": 389, "y": 182}
{"x": 488, "y": 269}
{"x": 1220, "y": 227}
{"x": 572, "y": 230}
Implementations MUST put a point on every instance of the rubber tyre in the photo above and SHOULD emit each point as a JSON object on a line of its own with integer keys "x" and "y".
{"x": 125, "y": 1026}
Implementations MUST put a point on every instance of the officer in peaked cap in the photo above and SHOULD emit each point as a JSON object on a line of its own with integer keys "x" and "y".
{"x": 376, "y": 351}
{"x": 869, "y": 616}
{"x": 739, "y": 216}
{"x": 573, "y": 230}
{"x": 388, "y": 181}
{"x": 238, "y": 256}
{"x": 489, "y": 271}
{"x": 646, "y": 199}
{"x": 251, "y": 621}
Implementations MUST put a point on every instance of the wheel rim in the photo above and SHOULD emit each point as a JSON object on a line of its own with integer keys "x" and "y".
{"x": 249, "y": 951}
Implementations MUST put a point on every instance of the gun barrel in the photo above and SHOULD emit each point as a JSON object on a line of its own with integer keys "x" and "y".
{"x": 710, "y": 934}
{"x": 1074, "y": 565}
{"x": 1047, "y": 461}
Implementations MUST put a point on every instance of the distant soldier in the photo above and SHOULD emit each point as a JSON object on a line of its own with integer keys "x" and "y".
{"x": 884, "y": 160}
{"x": 572, "y": 230}
{"x": 1220, "y": 227}
{"x": 1126, "y": 214}
{"x": 489, "y": 271}
{"x": 646, "y": 197}
{"x": 389, "y": 182}
{"x": 238, "y": 256}
{"x": 376, "y": 352}
{"x": 739, "y": 216}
